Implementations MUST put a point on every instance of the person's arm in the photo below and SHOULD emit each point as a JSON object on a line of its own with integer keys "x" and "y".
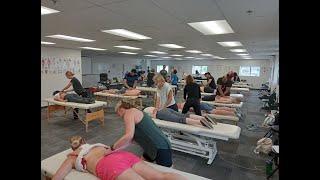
{"x": 199, "y": 92}
{"x": 169, "y": 98}
{"x": 227, "y": 91}
{"x": 185, "y": 92}
{"x": 135, "y": 84}
{"x": 65, "y": 168}
{"x": 125, "y": 83}
{"x": 209, "y": 81}
{"x": 220, "y": 90}
{"x": 129, "y": 132}
{"x": 67, "y": 87}
{"x": 157, "y": 101}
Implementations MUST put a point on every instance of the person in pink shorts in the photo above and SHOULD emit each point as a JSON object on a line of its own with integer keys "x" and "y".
{"x": 99, "y": 160}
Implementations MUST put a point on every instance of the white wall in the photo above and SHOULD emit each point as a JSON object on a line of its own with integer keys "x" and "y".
{"x": 52, "y": 77}
{"x": 275, "y": 75}
{"x": 219, "y": 68}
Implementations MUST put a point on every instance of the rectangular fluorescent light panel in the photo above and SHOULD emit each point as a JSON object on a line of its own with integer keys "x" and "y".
{"x": 166, "y": 57}
{"x": 193, "y": 51}
{"x": 206, "y": 54}
{"x": 70, "y": 38}
{"x": 157, "y": 52}
{"x": 128, "y": 47}
{"x": 45, "y": 10}
{"x": 199, "y": 58}
{"x": 218, "y": 57}
{"x": 212, "y": 27}
{"x": 125, "y": 33}
{"x": 243, "y": 54}
{"x": 43, "y": 42}
{"x": 178, "y": 58}
{"x": 238, "y": 50}
{"x": 189, "y": 57}
{"x": 149, "y": 55}
{"x": 176, "y": 55}
{"x": 174, "y": 46}
{"x": 230, "y": 43}
{"x": 92, "y": 48}
{"x": 127, "y": 53}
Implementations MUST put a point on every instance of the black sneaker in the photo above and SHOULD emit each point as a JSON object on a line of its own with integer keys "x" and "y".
{"x": 205, "y": 123}
{"x": 211, "y": 120}
{"x": 75, "y": 118}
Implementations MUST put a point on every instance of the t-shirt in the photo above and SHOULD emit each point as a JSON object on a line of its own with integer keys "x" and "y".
{"x": 164, "y": 73}
{"x": 212, "y": 83}
{"x": 192, "y": 91}
{"x": 77, "y": 87}
{"x": 162, "y": 94}
{"x": 150, "y": 78}
{"x": 131, "y": 78}
{"x": 224, "y": 86}
{"x": 174, "y": 79}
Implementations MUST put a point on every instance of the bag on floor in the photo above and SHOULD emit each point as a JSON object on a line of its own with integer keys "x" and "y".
{"x": 264, "y": 145}
{"x": 268, "y": 121}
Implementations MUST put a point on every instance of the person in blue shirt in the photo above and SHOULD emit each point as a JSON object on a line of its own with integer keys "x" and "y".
{"x": 131, "y": 79}
{"x": 174, "y": 79}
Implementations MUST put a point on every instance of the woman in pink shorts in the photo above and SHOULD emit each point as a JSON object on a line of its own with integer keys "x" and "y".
{"x": 99, "y": 160}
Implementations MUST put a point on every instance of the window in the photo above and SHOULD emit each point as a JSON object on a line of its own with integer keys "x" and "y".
{"x": 249, "y": 71}
{"x": 200, "y": 69}
{"x": 160, "y": 67}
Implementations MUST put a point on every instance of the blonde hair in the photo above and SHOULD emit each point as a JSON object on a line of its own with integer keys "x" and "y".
{"x": 123, "y": 104}
{"x": 76, "y": 141}
{"x": 69, "y": 73}
{"x": 158, "y": 78}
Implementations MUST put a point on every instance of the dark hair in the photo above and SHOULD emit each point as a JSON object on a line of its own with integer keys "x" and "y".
{"x": 189, "y": 79}
{"x": 133, "y": 70}
{"x": 235, "y": 74}
{"x": 55, "y": 92}
{"x": 175, "y": 71}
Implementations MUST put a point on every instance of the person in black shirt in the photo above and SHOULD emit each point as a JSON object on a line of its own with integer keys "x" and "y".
{"x": 211, "y": 84}
{"x": 192, "y": 95}
{"x": 236, "y": 77}
{"x": 77, "y": 88}
{"x": 150, "y": 76}
{"x": 224, "y": 85}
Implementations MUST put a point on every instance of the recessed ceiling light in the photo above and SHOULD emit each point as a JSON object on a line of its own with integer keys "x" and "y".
{"x": 178, "y": 58}
{"x": 171, "y": 46}
{"x": 189, "y": 57}
{"x": 247, "y": 58}
{"x": 70, "y": 38}
{"x": 125, "y": 33}
{"x": 176, "y": 55}
{"x": 127, "y": 53}
{"x": 243, "y": 54}
{"x": 199, "y": 58}
{"x": 230, "y": 43}
{"x": 212, "y": 27}
{"x": 128, "y": 47}
{"x": 157, "y": 52}
{"x": 149, "y": 55}
{"x": 43, "y": 42}
{"x": 238, "y": 50}
{"x": 206, "y": 54}
{"x": 166, "y": 57}
{"x": 92, "y": 48}
{"x": 193, "y": 51}
{"x": 45, "y": 10}
{"x": 218, "y": 57}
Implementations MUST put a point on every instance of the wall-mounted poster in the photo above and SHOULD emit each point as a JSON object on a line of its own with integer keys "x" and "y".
{"x": 59, "y": 66}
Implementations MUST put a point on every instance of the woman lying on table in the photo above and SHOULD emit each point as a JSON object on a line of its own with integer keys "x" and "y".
{"x": 64, "y": 97}
{"x": 107, "y": 164}
{"x": 168, "y": 114}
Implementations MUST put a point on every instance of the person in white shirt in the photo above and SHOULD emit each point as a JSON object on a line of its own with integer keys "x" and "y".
{"x": 165, "y": 97}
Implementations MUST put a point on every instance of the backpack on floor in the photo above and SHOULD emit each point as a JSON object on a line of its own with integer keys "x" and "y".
{"x": 264, "y": 145}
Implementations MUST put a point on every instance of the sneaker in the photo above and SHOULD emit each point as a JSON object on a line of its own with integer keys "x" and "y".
{"x": 211, "y": 120}
{"x": 75, "y": 118}
{"x": 205, "y": 123}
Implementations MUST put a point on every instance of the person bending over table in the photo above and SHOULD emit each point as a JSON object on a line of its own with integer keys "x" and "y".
{"x": 125, "y": 92}
{"x": 236, "y": 78}
{"x": 165, "y": 97}
{"x": 164, "y": 72}
{"x": 210, "y": 109}
{"x": 64, "y": 97}
{"x": 150, "y": 76}
{"x": 141, "y": 128}
{"x": 192, "y": 95}
{"x": 224, "y": 85}
{"x": 77, "y": 87}
{"x": 167, "y": 114}
{"x": 131, "y": 79}
{"x": 107, "y": 164}
{"x": 211, "y": 84}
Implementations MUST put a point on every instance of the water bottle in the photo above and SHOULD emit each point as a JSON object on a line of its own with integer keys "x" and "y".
{"x": 269, "y": 168}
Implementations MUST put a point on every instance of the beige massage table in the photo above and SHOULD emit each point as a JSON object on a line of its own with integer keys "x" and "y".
{"x": 50, "y": 165}
{"x": 224, "y": 104}
{"x": 195, "y": 140}
{"x": 236, "y": 89}
{"x": 131, "y": 99}
{"x": 241, "y": 96}
{"x": 241, "y": 86}
{"x": 54, "y": 105}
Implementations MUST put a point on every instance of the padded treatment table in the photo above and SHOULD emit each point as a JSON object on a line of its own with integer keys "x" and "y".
{"x": 195, "y": 140}
{"x": 224, "y": 104}
{"x": 131, "y": 99}
{"x": 50, "y": 165}
{"x": 241, "y": 86}
{"x": 241, "y": 96}
{"x": 54, "y": 105}
{"x": 239, "y": 89}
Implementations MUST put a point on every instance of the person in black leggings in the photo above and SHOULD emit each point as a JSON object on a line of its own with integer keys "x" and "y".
{"x": 192, "y": 94}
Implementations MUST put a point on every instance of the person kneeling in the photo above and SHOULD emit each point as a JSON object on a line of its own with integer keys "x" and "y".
{"x": 64, "y": 97}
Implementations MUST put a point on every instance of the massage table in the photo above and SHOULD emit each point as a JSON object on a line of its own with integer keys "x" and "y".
{"x": 241, "y": 86}
{"x": 54, "y": 105}
{"x": 131, "y": 99}
{"x": 239, "y": 89}
{"x": 224, "y": 104}
{"x": 50, "y": 165}
{"x": 231, "y": 95}
{"x": 195, "y": 140}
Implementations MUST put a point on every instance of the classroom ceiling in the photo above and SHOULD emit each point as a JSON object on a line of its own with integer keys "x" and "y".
{"x": 165, "y": 21}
